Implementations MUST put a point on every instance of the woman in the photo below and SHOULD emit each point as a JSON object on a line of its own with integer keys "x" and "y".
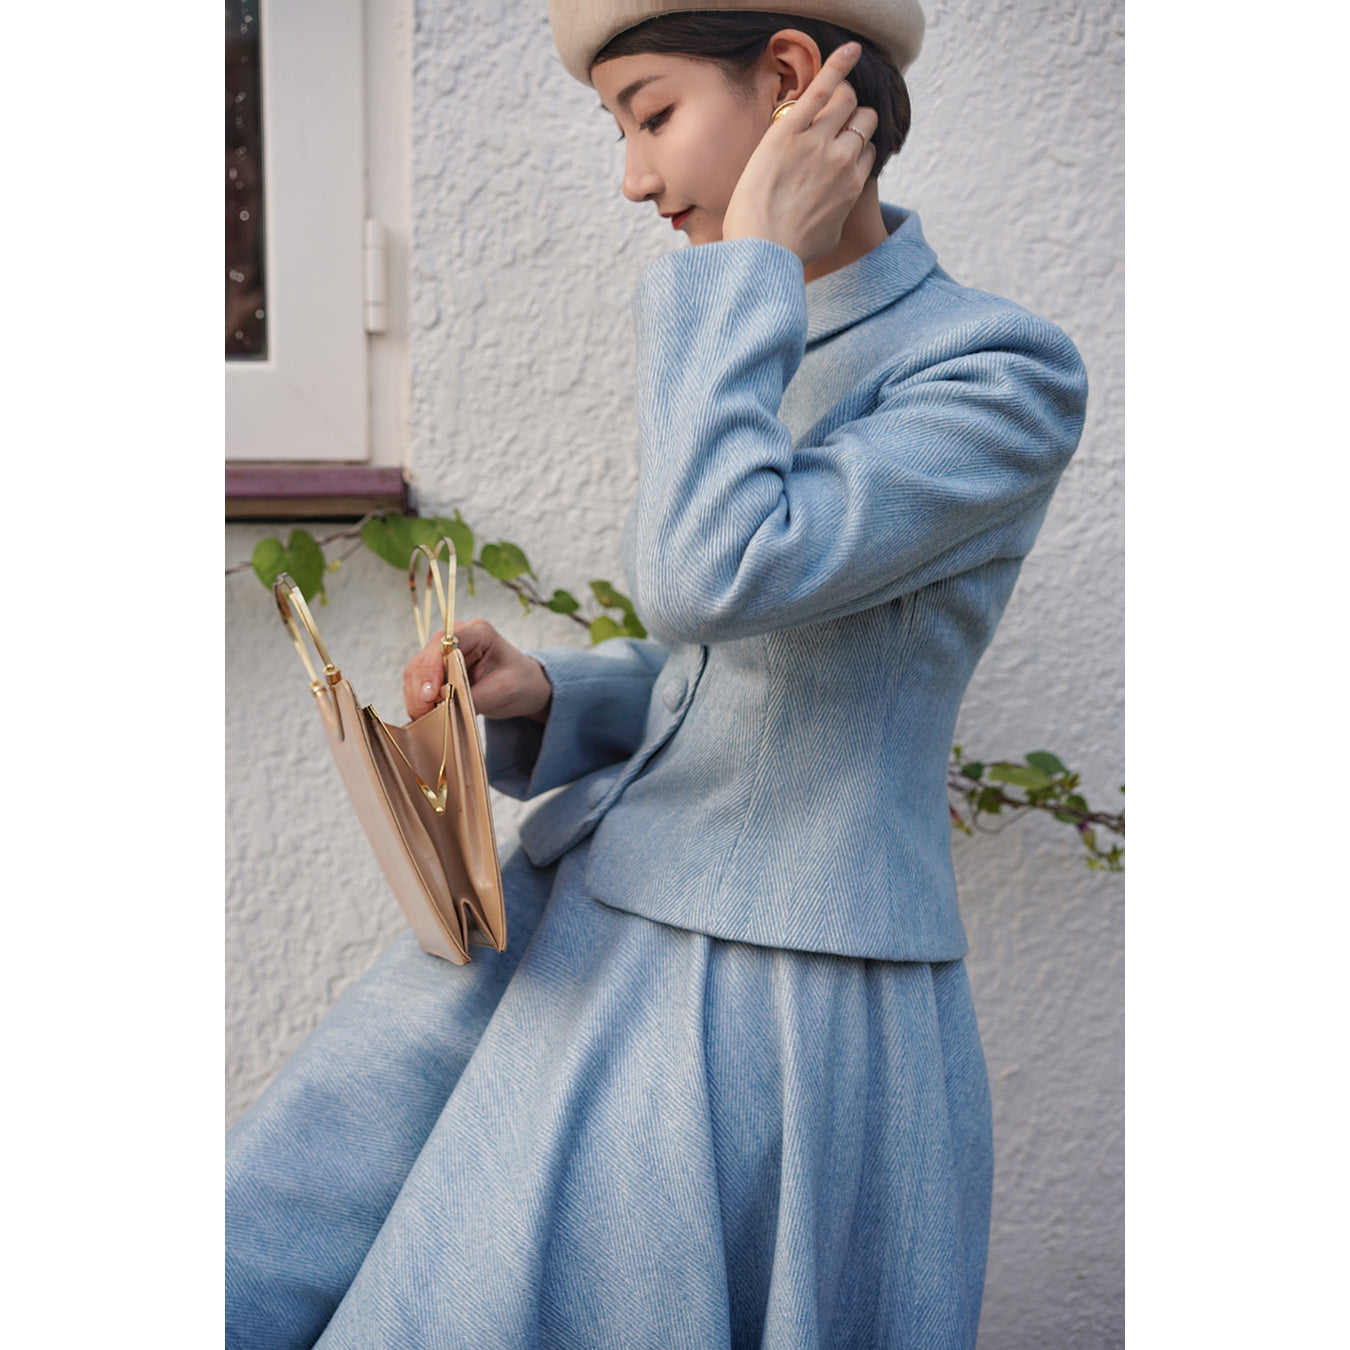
{"x": 725, "y": 1087}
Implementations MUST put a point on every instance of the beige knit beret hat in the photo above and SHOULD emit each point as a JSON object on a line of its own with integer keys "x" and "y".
{"x": 582, "y": 27}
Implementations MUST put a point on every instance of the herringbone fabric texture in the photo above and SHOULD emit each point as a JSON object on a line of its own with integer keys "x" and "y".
{"x": 727, "y": 1127}
{"x": 618, "y": 1136}
{"x": 839, "y": 484}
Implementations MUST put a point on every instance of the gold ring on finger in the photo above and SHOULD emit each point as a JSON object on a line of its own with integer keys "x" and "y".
{"x": 856, "y": 132}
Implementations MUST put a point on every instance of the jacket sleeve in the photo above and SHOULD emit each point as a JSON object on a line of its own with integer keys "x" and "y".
{"x": 597, "y": 717}
{"x": 737, "y": 532}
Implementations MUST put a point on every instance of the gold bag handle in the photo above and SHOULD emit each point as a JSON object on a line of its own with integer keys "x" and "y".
{"x": 290, "y": 602}
{"x": 445, "y": 598}
{"x": 445, "y": 592}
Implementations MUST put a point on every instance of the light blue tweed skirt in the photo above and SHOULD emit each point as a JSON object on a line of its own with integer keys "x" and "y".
{"x": 618, "y": 1134}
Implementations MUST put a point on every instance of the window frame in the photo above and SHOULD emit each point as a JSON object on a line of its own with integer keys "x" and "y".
{"x": 337, "y": 96}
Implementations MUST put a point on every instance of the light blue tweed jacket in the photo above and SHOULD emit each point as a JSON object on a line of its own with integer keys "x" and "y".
{"x": 838, "y": 484}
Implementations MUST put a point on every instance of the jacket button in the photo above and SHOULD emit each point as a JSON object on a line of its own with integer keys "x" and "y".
{"x": 672, "y": 691}
{"x": 598, "y": 790}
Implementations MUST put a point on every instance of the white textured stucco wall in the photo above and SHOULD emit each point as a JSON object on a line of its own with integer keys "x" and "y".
{"x": 524, "y": 256}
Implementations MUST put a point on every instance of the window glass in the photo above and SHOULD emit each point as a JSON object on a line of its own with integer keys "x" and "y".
{"x": 245, "y": 292}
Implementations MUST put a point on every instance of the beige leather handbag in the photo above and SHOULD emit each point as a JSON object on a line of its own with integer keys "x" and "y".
{"x": 420, "y": 791}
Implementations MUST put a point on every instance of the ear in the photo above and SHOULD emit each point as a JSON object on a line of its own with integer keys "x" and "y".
{"x": 790, "y": 62}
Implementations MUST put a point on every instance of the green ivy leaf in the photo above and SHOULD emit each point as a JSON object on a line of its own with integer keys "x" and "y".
{"x": 425, "y": 533}
{"x": 458, "y": 533}
{"x": 518, "y": 558}
{"x": 504, "y": 561}
{"x": 269, "y": 560}
{"x": 391, "y": 537}
{"x": 973, "y": 770}
{"x": 306, "y": 557}
{"x": 302, "y": 558}
{"x": 494, "y": 564}
{"x": 395, "y": 536}
{"x": 604, "y": 628}
{"x": 1017, "y": 774}
{"x": 605, "y": 593}
{"x": 990, "y": 801}
{"x": 1046, "y": 762}
{"x": 564, "y": 603}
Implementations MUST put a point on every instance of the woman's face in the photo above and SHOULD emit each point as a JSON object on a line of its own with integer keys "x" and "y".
{"x": 687, "y": 135}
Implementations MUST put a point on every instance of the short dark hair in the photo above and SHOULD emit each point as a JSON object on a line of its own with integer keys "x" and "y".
{"x": 736, "y": 39}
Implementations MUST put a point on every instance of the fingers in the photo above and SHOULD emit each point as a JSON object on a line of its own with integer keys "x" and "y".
{"x": 824, "y": 87}
{"x": 864, "y": 122}
{"x": 424, "y": 676}
{"x": 504, "y": 681}
{"x": 422, "y": 691}
{"x": 832, "y": 119}
{"x": 427, "y": 700}
{"x": 424, "y": 679}
{"x": 476, "y": 639}
{"x": 830, "y": 103}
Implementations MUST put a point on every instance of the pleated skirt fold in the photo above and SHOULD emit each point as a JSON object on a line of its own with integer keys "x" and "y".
{"x": 618, "y": 1134}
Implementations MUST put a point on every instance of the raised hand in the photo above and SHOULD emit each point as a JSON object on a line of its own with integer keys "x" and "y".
{"x": 809, "y": 169}
{"x": 504, "y": 681}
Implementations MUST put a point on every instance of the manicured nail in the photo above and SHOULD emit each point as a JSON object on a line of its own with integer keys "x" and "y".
{"x": 429, "y": 692}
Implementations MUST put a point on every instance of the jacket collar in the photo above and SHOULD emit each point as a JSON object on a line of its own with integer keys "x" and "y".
{"x": 877, "y": 279}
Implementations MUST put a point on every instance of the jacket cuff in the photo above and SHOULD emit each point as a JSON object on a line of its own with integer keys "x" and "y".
{"x": 597, "y": 718}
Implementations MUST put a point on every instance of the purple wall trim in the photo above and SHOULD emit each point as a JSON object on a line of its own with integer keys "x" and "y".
{"x": 316, "y": 491}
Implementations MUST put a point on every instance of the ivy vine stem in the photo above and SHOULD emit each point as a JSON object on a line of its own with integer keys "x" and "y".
{"x": 976, "y": 790}
{"x": 1115, "y": 822}
{"x": 537, "y": 601}
{"x": 351, "y": 532}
